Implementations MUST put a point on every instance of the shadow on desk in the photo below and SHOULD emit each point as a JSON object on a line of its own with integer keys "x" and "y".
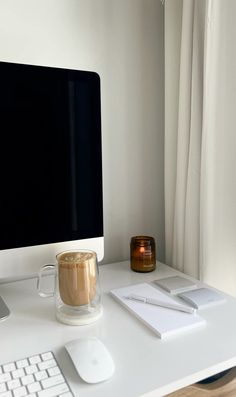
{"x": 224, "y": 386}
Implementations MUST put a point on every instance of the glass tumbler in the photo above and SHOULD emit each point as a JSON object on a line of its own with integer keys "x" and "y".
{"x": 77, "y": 290}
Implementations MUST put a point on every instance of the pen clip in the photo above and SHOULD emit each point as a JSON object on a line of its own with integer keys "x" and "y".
{"x": 137, "y": 298}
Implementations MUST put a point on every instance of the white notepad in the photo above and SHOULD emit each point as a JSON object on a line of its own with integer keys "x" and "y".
{"x": 164, "y": 322}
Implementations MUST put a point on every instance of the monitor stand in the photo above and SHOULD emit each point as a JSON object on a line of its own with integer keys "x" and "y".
{"x": 4, "y": 311}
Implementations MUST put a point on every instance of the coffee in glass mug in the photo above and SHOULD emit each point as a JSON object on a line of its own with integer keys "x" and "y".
{"x": 77, "y": 277}
{"x": 77, "y": 290}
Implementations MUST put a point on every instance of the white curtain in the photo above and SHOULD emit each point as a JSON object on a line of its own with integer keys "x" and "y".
{"x": 200, "y": 139}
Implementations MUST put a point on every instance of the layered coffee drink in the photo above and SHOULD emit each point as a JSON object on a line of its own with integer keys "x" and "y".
{"x": 77, "y": 277}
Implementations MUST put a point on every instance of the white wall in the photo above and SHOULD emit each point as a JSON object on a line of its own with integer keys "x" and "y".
{"x": 122, "y": 40}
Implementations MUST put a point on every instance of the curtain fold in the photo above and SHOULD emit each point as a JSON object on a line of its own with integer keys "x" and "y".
{"x": 200, "y": 163}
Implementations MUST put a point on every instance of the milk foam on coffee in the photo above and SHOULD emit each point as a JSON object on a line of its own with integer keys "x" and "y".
{"x": 77, "y": 277}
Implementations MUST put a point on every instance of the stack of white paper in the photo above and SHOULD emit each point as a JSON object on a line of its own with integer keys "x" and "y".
{"x": 164, "y": 322}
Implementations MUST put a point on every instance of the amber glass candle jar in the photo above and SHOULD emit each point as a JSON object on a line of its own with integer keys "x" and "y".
{"x": 142, "y": 254}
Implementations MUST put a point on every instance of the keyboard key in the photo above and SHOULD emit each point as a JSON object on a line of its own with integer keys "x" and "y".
{"x": 54, "y": 371}
{"x": 9, "y": 367}
{"x": 5, "y": 377}
{"x": 34, "y": 387}
{"x": 31, "y": 369}
{"x": 54, "y": 391}
{"x": 69, "y": 394}
{"x": 54, "y": 380}
{"x": 3, "y": 387}
{"x": 26, "y": 380}
{"x": 6, "y": 394}
{"x": 35, "y": 359}
{"x": 20, "y": 392}
{"x": 42, "y": 374}
{"x": 22, "y": 363}
{"x": 47, "y": 356}
{"x": 13, "y": 384}
{"x": 47, "y": 364}
{"x": 18, "y": 373}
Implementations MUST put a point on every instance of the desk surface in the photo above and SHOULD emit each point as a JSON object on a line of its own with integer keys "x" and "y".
{"x": 145, "y": 364}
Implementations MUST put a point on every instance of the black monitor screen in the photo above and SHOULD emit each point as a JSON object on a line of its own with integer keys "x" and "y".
{"x": 50, "y": 161}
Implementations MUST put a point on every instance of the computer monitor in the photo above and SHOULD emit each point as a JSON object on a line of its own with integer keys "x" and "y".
{"x": 50, "y": 166}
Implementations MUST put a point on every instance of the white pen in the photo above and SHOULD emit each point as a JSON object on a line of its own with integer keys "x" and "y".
{"x": 167, "y": 305}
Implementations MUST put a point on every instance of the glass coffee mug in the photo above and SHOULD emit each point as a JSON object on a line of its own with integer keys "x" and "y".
{"x": 77, "y": 291}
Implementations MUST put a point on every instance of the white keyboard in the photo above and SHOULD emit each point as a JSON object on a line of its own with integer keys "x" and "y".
{"x": 35, "y": 376}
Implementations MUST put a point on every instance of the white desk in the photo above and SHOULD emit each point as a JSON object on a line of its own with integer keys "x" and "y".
{"x": 145, "y": 365}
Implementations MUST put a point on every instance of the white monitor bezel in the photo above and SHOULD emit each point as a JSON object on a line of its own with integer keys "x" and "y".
{"x": 25, "y": 262}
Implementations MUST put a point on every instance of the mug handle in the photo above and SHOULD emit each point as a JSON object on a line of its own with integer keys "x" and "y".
{"x": 40, "y": 292}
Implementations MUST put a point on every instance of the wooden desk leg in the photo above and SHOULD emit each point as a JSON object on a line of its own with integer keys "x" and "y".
{"x": 222, "y": 387}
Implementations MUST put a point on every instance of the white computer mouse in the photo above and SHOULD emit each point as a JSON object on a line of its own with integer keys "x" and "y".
{"x": 91, "y": 359}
